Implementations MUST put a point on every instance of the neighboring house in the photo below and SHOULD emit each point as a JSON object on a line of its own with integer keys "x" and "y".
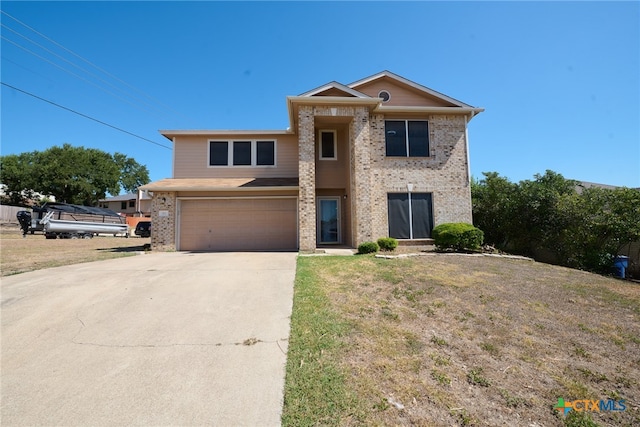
{"x": 383, "y": 156}
{"x": 133, "y": 204}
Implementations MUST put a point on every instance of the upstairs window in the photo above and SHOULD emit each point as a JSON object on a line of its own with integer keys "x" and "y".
{"x": 242, "y": 153}
{"x": 328, "y": 145}
{"x": 406, "y": 138}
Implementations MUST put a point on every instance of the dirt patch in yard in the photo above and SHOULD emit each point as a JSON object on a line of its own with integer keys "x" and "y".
{"x": 457, "y": 340}
{"x": 34, "y": 252}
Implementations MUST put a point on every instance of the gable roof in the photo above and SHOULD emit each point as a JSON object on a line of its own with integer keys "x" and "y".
{"x": 406, "y": 82}
{"x": 339, "y": 87}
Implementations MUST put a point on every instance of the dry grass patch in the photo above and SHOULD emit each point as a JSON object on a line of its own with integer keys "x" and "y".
{"x": 19, "y": 255}
{"x": 457, "y": 340}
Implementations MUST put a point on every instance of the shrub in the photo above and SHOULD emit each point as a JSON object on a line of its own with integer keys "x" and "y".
{"x": 368, "y": 248}
{"x": 387, "y": 243}
{"x": 457, "y": 236}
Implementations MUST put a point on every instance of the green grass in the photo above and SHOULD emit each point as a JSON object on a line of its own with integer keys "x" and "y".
{"x": 315, "y": 392}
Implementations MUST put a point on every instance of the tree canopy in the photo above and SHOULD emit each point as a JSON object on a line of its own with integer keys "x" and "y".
{"x": 553, "y": 216}
{"x": 75, "y": 175}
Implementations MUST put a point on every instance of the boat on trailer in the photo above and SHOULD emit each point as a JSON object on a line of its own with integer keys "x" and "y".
{"x": 66, "y": 221}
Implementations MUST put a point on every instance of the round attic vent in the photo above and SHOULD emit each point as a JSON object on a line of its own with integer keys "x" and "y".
{"x": 386, "y": 96}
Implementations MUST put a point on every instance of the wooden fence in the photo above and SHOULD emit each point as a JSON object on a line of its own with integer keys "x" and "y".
{"x": 8, "y": 213}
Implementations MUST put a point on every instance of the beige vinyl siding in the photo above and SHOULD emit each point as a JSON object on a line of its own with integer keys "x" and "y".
{"x": 401, "y": 96}
{"x": 334, "y": 92}
{"x": 191, "y": 157}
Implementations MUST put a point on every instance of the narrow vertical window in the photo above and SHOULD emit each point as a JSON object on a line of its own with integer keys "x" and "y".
{"x": 418, "y": 138}
{"x": 328, "y": 145}
{"x": 396, "y": 138}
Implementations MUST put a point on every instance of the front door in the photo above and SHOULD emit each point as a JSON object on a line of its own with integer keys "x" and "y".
{"x": 328, "y": 220}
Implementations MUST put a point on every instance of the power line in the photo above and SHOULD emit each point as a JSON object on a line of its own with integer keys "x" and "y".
{"x": 69, "y": 72}
{"x": 144, "y": 103}
{"x": 92, "y": 64}
{"x": 84, "y": 115}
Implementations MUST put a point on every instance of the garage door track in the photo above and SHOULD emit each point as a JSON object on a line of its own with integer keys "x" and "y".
{"x": 162, "y": 339}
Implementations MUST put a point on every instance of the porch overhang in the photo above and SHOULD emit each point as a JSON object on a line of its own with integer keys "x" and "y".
{"x": 294, "y": 101}
{"x": 222, "y": 184}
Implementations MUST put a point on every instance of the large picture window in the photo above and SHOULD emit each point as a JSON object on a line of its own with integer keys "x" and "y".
{"x": 242, "y": 153}
{"x": 410, "y": 215}
{"x": 406, "y": 138}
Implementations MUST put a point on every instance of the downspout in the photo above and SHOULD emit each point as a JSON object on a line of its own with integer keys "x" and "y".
{"x": 173, "y": 158}
{"x": 466, "y": 145}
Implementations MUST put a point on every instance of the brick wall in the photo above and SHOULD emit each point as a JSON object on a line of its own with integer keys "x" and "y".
{"x": 307, "y": 176}
{"x": 373, "y": 175}
{"x": 163, "y": 228}
{"x": 444, "y": 173}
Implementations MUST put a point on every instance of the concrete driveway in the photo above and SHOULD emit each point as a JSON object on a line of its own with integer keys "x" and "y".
{"x": 160, "y": 339}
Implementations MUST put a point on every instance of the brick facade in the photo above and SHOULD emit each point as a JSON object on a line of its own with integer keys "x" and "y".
{"x": 373, "y": 175}
{"x": 307, "y": 180}
{"x": 163, "y": 234}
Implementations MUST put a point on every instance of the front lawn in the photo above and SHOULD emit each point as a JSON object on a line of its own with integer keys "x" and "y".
{"x": 458, "y": 340}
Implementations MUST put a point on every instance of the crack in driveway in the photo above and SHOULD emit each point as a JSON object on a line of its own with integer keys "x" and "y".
{"x": 247, "y": 343}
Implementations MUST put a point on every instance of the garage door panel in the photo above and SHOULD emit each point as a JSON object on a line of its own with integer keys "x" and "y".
{"x": 238, "y": 224}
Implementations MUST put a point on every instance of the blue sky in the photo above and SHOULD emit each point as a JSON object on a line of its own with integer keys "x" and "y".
{"x": 560, "y": 81}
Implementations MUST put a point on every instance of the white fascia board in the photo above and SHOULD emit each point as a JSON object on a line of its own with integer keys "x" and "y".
{"x": 209, "y": 188}
{"x": 329, "y": 100}
{"x": 444, "y": 110}
{"x": 213, "y": 132}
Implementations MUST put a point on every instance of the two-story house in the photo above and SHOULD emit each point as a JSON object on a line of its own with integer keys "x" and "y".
{"x": 383, "y": 156}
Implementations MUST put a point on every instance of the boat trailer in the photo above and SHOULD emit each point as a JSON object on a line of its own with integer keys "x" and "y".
{"x": 65, "y": 221}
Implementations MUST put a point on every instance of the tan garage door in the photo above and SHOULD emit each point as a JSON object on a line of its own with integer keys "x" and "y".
{"x": 238, "y": 224}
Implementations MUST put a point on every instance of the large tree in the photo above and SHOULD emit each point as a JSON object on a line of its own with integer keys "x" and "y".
{"x": 76, "y": 175}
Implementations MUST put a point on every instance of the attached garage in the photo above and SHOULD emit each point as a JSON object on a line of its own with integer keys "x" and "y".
{"x": 238, "y": 224}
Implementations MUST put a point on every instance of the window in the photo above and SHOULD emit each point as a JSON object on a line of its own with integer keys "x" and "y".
{"x": 132, "y": 203}
{"x": 410, "y": 215}
{"x": 218, "y": 153}
{"x": 123, "y": 205}
{"x": 406, "y": 138}
{"x": 328, "y": 142}
{"x": 265, "y": 153}
{"x": 242, "y": 153}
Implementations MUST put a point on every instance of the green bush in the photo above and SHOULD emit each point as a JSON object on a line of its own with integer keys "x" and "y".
{"x": 458, "y": 236}
{"x": 368, "y": 248}
{"x": 387, "y": 243}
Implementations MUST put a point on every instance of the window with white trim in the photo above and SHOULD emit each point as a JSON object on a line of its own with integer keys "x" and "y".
{"x": 242, "y": 153}
{"x": 328, "y": 145}
{"x": 406, "y": 138}
{"x": 410, "y": 215}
